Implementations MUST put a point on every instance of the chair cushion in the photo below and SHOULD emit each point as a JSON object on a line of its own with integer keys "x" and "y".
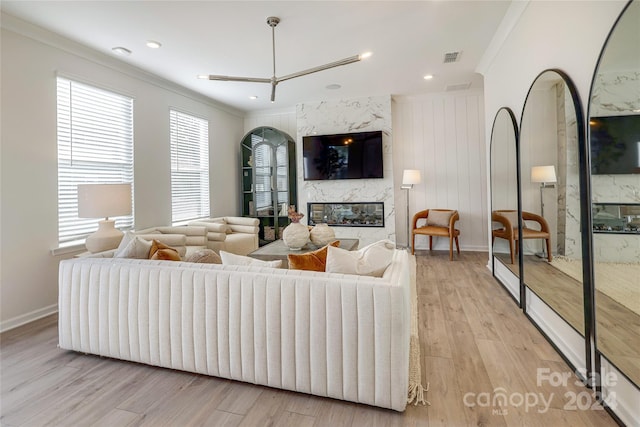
{"x": 431, "y": 230}
{"x": 439, "y": 218}
{"x": 311, "y": 261}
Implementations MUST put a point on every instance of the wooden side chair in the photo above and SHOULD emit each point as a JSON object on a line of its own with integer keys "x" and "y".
{"x": 440, "y": 223}
{"x": 509, "y": 230}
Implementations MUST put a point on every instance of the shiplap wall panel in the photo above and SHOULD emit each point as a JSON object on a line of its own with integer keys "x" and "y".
{"x": 442, "y": 135}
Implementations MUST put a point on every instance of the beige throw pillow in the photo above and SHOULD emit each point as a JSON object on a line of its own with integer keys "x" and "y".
{"x": 132, "y": 246}
{"x": 512, "y": 217}
{"x": 232, "y": 259}
{"x": 207, "y": 256}
{"x": 372, "y": 260}
{"x": 439, "y": 218}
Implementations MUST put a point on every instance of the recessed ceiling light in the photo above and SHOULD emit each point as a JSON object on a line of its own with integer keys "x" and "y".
{"x": 333, "y": 86}
{"x": 253, "y": 97}
{"x": 121, "y": 50}
{"x": 153, "y": 44}
{"x": 428, "y": 77}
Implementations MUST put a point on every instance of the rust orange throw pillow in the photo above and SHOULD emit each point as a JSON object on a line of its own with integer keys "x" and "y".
{"x": 161, "y": 251}
{"x": 312, "y": 261}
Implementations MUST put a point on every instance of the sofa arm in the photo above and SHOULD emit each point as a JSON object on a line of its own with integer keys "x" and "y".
{"x": 241, "y": 220}
{"x": 217, "y": 229}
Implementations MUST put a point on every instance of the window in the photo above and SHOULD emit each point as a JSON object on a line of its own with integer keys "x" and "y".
{"x": 189, "y": 167}
{"x": 95, "y": 145}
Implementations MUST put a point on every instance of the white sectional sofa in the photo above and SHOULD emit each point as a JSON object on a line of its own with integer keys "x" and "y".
{"x": 335, "y": 335}
{"x": 238, "y": 235}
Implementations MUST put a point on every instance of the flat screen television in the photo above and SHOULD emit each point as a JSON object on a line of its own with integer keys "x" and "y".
{"x": 342, "y": 156}
{"x": 615, "y": 145}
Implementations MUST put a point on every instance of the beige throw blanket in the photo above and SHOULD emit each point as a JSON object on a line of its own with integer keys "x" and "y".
{"x": 416, "y": 390}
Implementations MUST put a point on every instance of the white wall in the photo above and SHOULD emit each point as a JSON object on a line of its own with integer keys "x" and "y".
{"x": 442, "y": 135}
{"x": 29, "y": 158}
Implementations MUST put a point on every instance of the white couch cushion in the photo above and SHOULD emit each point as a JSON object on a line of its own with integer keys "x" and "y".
{"x": 372, "y": 260}
{"x": 232, "y": 259}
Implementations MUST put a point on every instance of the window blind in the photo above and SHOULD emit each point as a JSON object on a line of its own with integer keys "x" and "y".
{"x": 189, "y": 166}
{"x": 95, "y": 145}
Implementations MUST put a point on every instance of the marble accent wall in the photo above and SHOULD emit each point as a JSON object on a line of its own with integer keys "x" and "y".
{"x": 344, "y": 116}
{"x": 616, "y": 93}
{"x": 571, "y": 218}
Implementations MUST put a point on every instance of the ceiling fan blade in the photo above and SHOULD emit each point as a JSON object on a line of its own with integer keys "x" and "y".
{"x": 238, "y": 79}
{"x": 345, "y": 61}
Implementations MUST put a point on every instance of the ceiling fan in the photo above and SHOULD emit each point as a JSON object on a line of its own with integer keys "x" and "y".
{"x": 273, "y": 21}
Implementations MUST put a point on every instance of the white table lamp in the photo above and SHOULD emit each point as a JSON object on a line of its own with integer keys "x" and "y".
{"x": 103, "y": 201}
{"x": 410, "y": 177}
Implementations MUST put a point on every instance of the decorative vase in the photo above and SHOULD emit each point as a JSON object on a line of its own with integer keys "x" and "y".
{"x": 295, "y": 236}
{"x": 322, "y": 234}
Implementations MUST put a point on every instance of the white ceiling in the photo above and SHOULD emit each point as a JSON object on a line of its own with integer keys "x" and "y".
{"x": 408, "y": 39}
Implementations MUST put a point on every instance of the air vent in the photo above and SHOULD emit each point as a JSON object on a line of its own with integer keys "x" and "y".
{"x": 451, "y": 57}
{"x": 459, "y": 86}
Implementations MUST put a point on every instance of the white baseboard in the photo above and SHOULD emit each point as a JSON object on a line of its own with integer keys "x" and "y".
{"x": 621, "y": 395}
{"x": 509, "y": 280}
{"x": 563, "y": 336}
{"x": 9, "y": 324}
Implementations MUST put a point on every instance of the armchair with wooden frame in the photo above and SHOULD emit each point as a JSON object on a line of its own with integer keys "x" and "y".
{"x": 509, "y": 230}
{"x": 441, "y": 224}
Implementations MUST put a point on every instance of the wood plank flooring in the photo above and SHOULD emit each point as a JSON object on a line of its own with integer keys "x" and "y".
{"x": 476, "y": 347}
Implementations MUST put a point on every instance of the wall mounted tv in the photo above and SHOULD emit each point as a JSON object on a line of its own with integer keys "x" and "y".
{"x": 342, "y": 156}
{"x": 615, "y": 145}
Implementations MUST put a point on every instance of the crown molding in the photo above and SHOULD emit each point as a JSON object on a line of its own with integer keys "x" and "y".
{"x": 39, "y": 34}
{"x": 510, "y": 19}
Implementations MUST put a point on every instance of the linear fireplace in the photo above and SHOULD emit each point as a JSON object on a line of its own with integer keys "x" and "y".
{"x": 351, "y": 214}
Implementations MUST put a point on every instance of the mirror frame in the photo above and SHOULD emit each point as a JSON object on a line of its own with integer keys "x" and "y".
{"x": 588, "y": 244}
{"x": 516, "y": 133}
{"x": 585, "y": 233}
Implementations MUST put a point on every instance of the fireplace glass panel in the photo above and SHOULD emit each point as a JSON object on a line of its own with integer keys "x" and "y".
{"x": 347, "y": 214}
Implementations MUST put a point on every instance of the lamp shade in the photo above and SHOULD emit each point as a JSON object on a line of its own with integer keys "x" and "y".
{"x": 410, "y": 177}
{"x": 543, "y": 174}
{"x": 104, "y": 200}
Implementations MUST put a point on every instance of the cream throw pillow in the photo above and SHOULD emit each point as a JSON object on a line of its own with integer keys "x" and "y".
{"x": 207, "y": 256}
{"x": 372, "y": 260}
{"x": 512, "y": 217}
{"x": 132, "y": 246}
{"x": 439, "y": 218}
{"x": 232, "y": 259}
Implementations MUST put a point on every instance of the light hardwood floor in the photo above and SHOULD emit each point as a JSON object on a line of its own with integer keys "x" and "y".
{"x": 617, "y": 327}
{"x": 475, "y": 344}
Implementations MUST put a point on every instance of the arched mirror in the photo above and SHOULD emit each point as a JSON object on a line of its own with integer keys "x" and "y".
{"x": 551, "y": 134}
{"x": 504, "y": 201}
{"x": 614, "y": 141}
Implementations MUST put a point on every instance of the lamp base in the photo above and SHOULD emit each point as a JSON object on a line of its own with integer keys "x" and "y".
{"x": 106, "y": 237}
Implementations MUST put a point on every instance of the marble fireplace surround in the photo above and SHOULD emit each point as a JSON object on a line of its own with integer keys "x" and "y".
{"x": 346, "y": 116}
